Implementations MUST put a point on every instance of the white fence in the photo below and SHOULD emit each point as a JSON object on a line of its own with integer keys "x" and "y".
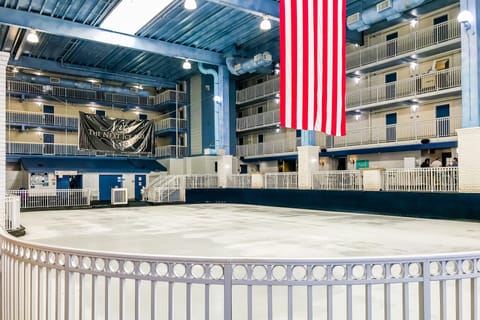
{"x": 10, "y": 220}
{"x": 239, "y": 181}
{"x": 44, "y": 282}
{"x": 421, "y": 179}
{"x": 285, "y": 180}
{"x": 166, "y": 189}
{"x": 50, "y": 198}
{"x": 337, "y": 180}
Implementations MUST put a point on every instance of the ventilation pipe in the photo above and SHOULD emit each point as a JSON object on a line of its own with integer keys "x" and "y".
{"x": 54, "y": 81}
{"x": 385, "y": 10}
{"x": 238, "y": 66}
{"x": 217, "y": 102}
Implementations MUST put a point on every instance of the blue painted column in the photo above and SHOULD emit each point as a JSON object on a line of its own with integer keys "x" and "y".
{"x": 308, "y": 138}
{"x": 470, "y": 66}
{"x": 224, "y": 123}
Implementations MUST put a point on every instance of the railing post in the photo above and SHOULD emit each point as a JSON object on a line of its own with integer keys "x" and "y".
{"x": 227, "y": 291}
{"x": 425, "y": 299}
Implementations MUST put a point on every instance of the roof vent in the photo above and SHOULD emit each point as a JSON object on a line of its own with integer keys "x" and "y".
{"x": 384, "y": 5}
{"x": 54, "y": 80}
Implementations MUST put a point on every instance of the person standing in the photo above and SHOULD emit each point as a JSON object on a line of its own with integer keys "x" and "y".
{"x": 425, "y": 163}
{"x": 436, "y": 163}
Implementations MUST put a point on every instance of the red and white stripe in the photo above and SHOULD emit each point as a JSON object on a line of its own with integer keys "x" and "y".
{"x": 312, "y": 65}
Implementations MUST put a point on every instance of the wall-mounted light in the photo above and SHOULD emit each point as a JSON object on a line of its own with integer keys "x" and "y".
{"x": 414, "y": 107}
{"x": 32, "y": 37}
{"x": 413, "y": 23}
{"x": 357, "y": 80}
{"x": 190, "y": 4}
{"x": 352, "y": 161}
{"x": 413, "y": 65}
{"x": 277, "y": 98}
{"x": 465, "y": 18}
{"x": 265, "y": 24}
{"x": 187, "y": 65}
{"x": 217, "y": 99}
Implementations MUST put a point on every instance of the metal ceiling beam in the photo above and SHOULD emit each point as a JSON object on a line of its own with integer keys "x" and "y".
{"x": 89, "y": 72}
{"x": 257, "y": 7}
{"x": 69, "y": 29}
{"x": 272, "y": 9}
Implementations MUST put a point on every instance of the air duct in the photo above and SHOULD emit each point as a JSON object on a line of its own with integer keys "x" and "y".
{"x": 55, "y": 81}
{"x": 385, "y": 10}
{"x": 238, "y": 66}
{"x": 217, "y": 104}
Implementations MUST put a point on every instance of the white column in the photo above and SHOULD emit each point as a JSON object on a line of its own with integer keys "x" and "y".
{"x": 468, "y": 160}
{"x": 307, "y": 164}
{"x": 3, "y": 109}
{"x": 225, "y": 170}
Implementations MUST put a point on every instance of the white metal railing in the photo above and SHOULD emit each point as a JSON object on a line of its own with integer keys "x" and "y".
{"x": 170, "y": 96}
{"x": 413, "y": 42}
{"x": 40, "y": 281}
{"x": 119, "y": 196}
{"x": 170, "y": 124}
{"x": 337, "y": 180}
{"x": 281, "y": 180}
{"x": 243, "y": 181}
{"x": 75, "y": 93}
{"x": 258, "y": 91}
{"x": 10, "y": 219}
{"x": 170, "y": 151}
{"x": 426, "y": 84}
{"x": 166, "y": 189}
{"x": 414, "y": 130}
{"x": 41, "y": 119}
{"x": 49, "y": 198}
{"x": 201, "y": 181}
{"x": 260, "y": 120}
{"x": 62, "y": 150}
{"x": 421, "y": 179}
{"x": 270, "y": 147}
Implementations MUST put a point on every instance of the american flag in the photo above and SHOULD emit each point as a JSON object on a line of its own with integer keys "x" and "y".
{"x": 312, "y": 65}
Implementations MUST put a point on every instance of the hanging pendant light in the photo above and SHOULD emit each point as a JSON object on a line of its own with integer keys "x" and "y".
{"x": 190, "y": 4}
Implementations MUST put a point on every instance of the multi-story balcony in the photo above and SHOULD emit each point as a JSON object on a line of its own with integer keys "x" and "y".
{"x": 413, "y": 131}
{"x": 423, "y": 43}
{"x": 37, "y": 119}
{"x": 167, "y": 97}
{"x": 259, "y": 91}
{"x": 258, "y": 121}
{"x": 268, "y": 148}
{"x": 56, "y": 149}
{"x": 432, "y": 85}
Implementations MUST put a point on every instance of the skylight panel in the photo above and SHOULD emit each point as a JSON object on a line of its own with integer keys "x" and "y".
{"x": 129, "y": 16}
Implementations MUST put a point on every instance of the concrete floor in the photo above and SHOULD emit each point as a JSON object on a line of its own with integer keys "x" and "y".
{"x": 228, "y": 230}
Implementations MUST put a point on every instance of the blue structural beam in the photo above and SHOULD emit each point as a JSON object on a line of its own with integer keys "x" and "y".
{"x": 470, "y": 65}
{"x": 75, "y": 30}
{"x": 308, "y": 138}
{"x": 89, "y": 72}
{"x": 257, "y": 7}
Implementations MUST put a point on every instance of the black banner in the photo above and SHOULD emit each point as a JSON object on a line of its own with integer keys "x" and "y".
{"x": 115, "y": 135}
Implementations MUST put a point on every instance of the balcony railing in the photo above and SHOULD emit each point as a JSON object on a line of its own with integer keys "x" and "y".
{"x": 260, "y": 120}
{"x": 413, "y": 131}
{"x": 261, "y": 90}
{"x": 74, "y": 93}
{"x": 421, "y": 179}
{"x": 170, "y": 124}
{"x": 41, "y": 119}
{"x": 170, "y": 151}
{"x": 170, "y": 96}
{"x": 427, "y": 84}
{"x": 272, "y": 147}
{"x": 405, "y": 45}
{"x": 53, "y": 149}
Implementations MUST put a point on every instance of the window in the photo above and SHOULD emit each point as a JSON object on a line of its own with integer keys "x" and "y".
{"x": 260, "y": 138}
{"x": 142, "y": 116}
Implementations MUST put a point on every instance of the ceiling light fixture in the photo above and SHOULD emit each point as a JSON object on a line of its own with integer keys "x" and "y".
{"x": 265, "y": 24}
{"x": 413, "y": 23}
{"x": 129, "y": 16}
{"x": 190, "y": 4}
{"x": 32, "y": 37}
{"x": 187, "y": 65}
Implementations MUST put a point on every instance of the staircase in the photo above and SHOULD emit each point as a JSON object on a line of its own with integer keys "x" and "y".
{"x": 166, "y": 189}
